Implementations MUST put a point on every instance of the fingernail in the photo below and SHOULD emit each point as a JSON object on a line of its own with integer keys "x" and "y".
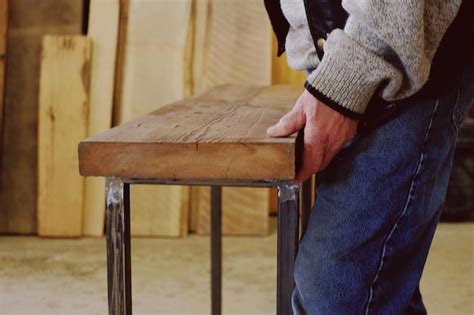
{"x": 271, "y": 130}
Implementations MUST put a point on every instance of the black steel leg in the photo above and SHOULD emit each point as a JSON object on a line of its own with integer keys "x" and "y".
{"x": 119, "y": 277}
{"x": 288, "y": 236}
{"x": 216, "y": 250}
{"x": 305, "y": 204}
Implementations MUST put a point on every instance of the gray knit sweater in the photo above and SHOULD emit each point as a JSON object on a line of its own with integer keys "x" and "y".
{"x": 386, "y": 47}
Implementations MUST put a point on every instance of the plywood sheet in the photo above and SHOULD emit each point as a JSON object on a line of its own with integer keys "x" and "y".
{"x": 103, "y": 31}
{"x": 156, "y": 72}
{"x": 29, "y": 21}
{"x": 63, "y": 117}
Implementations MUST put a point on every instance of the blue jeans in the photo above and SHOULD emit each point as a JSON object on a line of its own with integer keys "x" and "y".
{"x": 377, "y": 207}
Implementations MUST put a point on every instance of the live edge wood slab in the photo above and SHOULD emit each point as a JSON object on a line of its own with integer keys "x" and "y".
{"x": 219, "y": 134}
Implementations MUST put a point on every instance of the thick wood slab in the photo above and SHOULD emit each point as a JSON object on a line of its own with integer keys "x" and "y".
{"x": 220, "y": 134}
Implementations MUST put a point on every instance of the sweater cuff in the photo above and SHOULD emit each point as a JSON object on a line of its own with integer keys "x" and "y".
{"x": 331, "y": 103}
{"x": 346, "y": 77}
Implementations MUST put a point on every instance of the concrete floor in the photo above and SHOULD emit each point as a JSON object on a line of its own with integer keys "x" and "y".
{"x": 48, "y": 276}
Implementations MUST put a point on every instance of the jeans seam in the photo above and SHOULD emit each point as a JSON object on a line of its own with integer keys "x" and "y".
{"x": 455, "y": 107}
{"x": 404, "y": 210}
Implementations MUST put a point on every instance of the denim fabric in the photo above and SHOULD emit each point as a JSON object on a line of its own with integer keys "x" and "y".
{"x": 377, "y": 207}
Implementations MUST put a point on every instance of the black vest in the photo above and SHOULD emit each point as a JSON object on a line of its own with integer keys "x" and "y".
{"x": 455, "y": 52}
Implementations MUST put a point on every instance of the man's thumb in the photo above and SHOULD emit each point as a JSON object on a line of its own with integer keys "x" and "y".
{"x": 288, "y": 124}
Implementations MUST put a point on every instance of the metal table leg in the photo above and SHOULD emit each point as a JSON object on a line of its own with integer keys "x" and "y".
{"x": 119, "y": 278}
{"x": 288, "y": 237}
{"x": 216, "y": 250}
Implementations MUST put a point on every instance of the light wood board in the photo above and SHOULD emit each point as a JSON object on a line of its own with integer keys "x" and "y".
{"x": 232, "y": 46}
{"x": 29, "y": 21}
{"x": 63, "y": 117}
{"x": 156, "y": 72}
{"x": 103, "y": 31}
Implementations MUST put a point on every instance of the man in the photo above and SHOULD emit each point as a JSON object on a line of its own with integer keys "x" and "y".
{"x": 389, "y": 85}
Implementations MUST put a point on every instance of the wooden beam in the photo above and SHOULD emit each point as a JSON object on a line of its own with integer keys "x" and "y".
{"x": 63, "y": 115}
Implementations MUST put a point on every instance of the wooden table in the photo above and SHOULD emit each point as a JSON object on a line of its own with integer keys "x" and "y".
{"x": 217, "y": 138}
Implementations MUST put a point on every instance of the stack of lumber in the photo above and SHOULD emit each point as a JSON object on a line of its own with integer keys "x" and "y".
{"x": 29, "y": 21}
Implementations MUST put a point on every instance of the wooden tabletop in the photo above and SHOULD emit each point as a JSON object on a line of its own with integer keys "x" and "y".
{"x": 219, "y": 134}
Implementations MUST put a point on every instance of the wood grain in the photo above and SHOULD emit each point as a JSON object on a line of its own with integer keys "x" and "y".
{"x": 237, "y": 44}
{"x": 63, "y": 115}
{"x": 29, "y": 21}
{"x": 156, "y": 67}
{"x": 103, "y": 31}
{"x": 220, "y": 134}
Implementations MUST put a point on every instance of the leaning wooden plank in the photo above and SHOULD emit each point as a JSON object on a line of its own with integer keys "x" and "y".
{"x": 155, "y": 69}
{"x": 63, "y": 115}
{"x": 238, "y": 45}
{"x": 103, "y": 30}
{"x": 3, "y": 56}
{"x": 237, "y": 51}
{"x": 218, "y": 135}
{"x": 30, "y": 20}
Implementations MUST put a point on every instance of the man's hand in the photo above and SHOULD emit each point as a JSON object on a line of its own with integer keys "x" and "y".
{"x": 325, "y": 132}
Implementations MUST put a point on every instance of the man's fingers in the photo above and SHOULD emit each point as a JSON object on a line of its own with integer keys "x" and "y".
{"x": 288, "y": 124}
{"x": 313, "y": 154}
{"x": 311, "y": 162}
